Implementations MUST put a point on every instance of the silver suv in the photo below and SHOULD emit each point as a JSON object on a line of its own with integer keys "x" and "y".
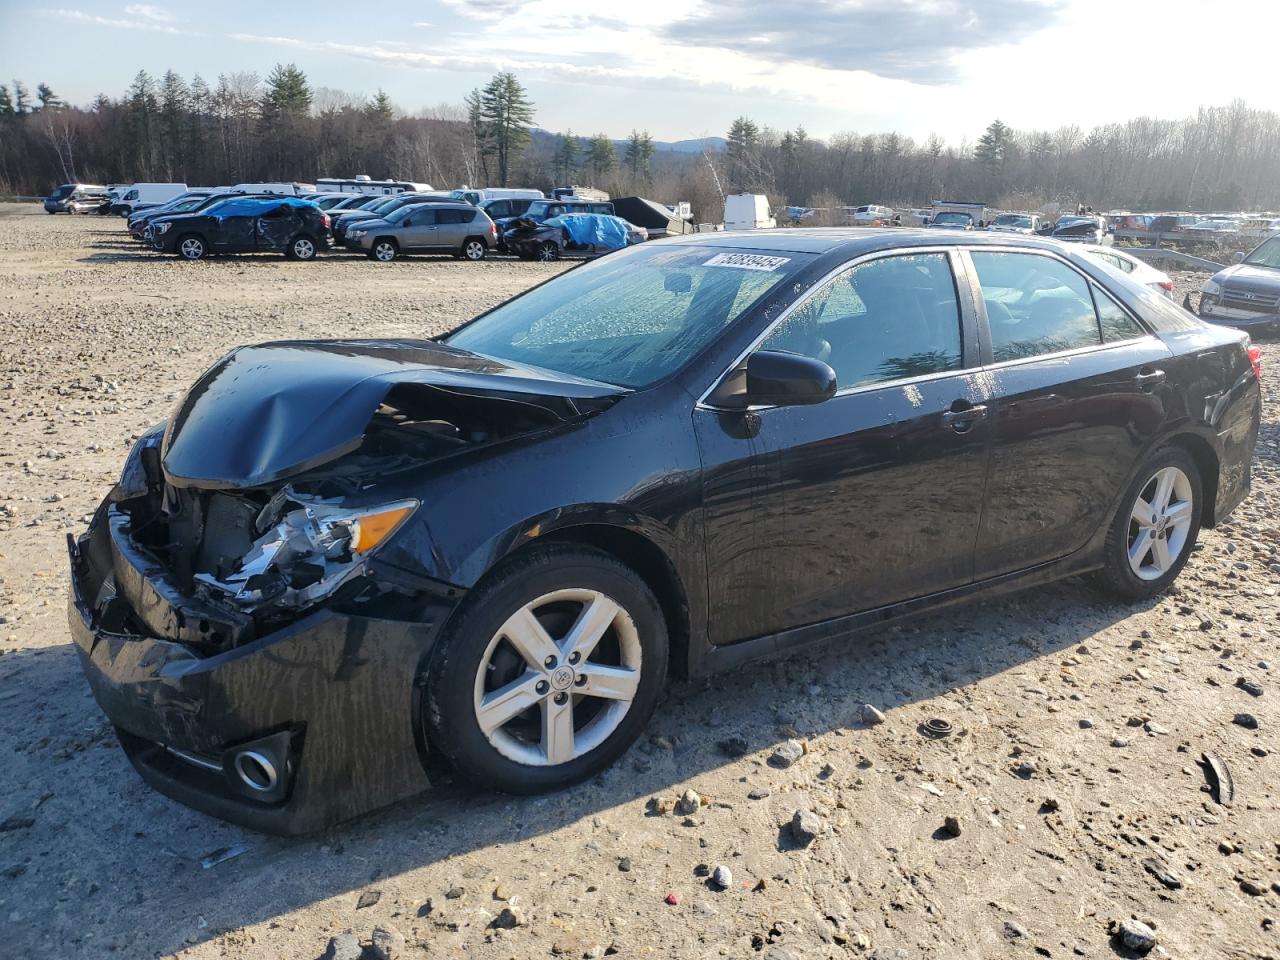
{"x": 449, "y": 227}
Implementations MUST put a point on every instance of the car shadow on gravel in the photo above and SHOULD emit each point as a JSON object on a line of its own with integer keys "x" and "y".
{"x": 120, "y": 866}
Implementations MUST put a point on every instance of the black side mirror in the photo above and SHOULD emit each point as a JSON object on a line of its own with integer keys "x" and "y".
{"x": 788, "y": 379}
{"x": 1238, "y": 257}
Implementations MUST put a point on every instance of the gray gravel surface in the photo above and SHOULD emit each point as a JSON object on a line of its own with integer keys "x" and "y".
{"x": 97, "y": 339}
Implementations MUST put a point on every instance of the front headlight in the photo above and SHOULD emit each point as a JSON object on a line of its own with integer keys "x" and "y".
{"x": 309, "y": 549}
{"x": 356, "y": 234}
{"x": 1211, "y": 288}
{"x": 134, "y": 480}
{"x": 161, "y": 228}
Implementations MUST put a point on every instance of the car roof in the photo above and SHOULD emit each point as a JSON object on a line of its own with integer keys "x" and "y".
{"x": 853, "y": 241}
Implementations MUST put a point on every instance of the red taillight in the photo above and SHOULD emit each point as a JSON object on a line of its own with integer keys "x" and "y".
{"x": 493, "y": 229}
{"x": 1166, "y": 285}
{"x": 1255, "y": 358}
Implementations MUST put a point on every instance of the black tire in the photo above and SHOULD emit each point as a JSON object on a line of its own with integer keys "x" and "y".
{"x": 1117, "y": 576}
{"x": 548, "y": 251}
{"x": 450, "y": 707}
{"x": 384, "y": 250}
{"x": 191, "y": 246}
{"x": 301, "y": 247}
{"x": 473, "y": 249}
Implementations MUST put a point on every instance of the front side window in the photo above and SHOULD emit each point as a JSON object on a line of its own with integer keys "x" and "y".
{"x": 888, "y": 319}
{"x": 631, "y": 318}
{"x": 1035, "y": 305}
{"x": 1267, "y": 255}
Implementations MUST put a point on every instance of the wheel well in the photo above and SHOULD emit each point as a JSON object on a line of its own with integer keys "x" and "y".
{"x": 1207, "y": 463}
{"x": 391, "y": 240}
{"x": 646, "y": 559}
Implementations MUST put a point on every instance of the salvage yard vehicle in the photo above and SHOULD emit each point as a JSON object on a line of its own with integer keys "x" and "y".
{"x": 952, "y": 220}
{"x": 76, "y": 198}
{"x": 380, "y": 208}
{"x": 441, "y": 227}
{"x": 289, "y": 225}
{"x": 580, "y": 234}
{"x": 1247, "y": 293}
{"x": 340, "y": 558}
{"x": 1080, "y": 229}
{"x": 189, "y": 202}
{"x": 1138, "y": 271}
{"x": 144, "y": 195}
{"x": 1023, "y": 223}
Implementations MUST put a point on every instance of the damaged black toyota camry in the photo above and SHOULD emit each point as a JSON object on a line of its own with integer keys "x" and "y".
{"x": 340, "y": 561}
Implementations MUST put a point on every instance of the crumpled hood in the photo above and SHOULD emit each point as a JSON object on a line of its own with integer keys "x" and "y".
{"x": 266, "y": 412}
{"x": 1250, "y": 277}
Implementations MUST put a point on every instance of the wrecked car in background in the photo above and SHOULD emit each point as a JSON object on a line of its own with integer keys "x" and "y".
{"x": 245, "y": 224}
{"x": 1247, "y": 293}
{"x": 580, "y": 234}
{"x": 339, "y": 559}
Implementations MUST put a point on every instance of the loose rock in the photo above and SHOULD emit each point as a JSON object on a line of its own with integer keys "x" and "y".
{"x": 787, "y": 753}
{"x": 388, "y": 943}
{"x": 722, "y": 876}
{"x": 805, "y": 826}
{"x": 344, "y": 946}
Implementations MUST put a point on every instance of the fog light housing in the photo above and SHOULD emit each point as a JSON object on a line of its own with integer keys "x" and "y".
{"x": 263, "y": 770}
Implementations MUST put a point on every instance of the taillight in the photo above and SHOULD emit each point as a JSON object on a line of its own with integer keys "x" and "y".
{"x": 324, "y": 218}
{"x": 493, "y": 229}
{"x": 1255, "y": 358}
{"x": 1166, "y": 285}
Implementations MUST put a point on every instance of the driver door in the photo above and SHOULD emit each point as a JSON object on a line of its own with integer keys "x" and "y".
{"x": 866, "y": 499}
{"x": 418, "y": 229}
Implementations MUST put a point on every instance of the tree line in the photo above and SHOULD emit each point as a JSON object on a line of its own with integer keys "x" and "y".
{"x": 244, "y": 127}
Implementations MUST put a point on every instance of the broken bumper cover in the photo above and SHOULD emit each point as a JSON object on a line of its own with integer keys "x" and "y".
{"x": 293, "y": 731}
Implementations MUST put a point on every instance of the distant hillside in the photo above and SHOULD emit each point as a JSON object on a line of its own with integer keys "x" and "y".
{"x": 710, "y": 144}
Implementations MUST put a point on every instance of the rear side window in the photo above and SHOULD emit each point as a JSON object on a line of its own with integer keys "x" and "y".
{"x": 1035, "y": 305}
{"x": 499, "y": 208}
{"x": 1114, "y": 320}
{"x": 453, "y": 215}
{"x": 888, "y": 319}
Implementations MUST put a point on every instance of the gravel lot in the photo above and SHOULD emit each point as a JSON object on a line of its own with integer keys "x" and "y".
{"x": 1073, "y": 771}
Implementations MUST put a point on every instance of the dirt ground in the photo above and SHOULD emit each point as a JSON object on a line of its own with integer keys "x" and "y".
{"x": 1073, "y": 769}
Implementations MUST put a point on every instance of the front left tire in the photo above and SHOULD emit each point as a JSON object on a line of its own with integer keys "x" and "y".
{"x": 548, "y": 672}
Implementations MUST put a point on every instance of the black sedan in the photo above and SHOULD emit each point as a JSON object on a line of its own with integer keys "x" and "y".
{"x": 245, "y": 224}
{"x": 341, "y": 557}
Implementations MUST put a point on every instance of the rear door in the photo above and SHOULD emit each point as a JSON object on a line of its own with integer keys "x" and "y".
{"x": 276, "y": 226}
{"x": 1077, "y": 395}
{"x": 872, "y": 497}
{"x": 452, "y": 227}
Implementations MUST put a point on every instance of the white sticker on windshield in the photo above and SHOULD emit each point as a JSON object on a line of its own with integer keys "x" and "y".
{"x": 746, "y": 261}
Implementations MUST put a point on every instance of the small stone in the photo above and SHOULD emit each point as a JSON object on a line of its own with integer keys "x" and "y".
{"x": 1119, "y": 742}
{"x": 1051, "y": 805}
{"x": 624, "y": 864}
{"x": 1086, "y": 723}
{"x": 388, "y": 943}
{"x": 1155, "y": 729}
{"x": 368, "y": 899}
{"x": 1251, "y": 687}
{"x": 500, "y": 892}
{"x": 805, "y": 826}
{"x": 1014, "y": 931}
{"x": 722, "y": 876}
{"x": 734, "y": 747}
{"x": 508, "y": 919}
{"x": 688, "y": 803}
{"x": 758, "y": 793}
{"x": 453, "y": 893}
{"x": 1136, "y": 935}
{"x": 344, "y": 946}
{"x": 1246, "y": 720}
{"x": 952, "y": 826}
{"x": 1026, "y": 769}
{"x": 871, "y": 716}
{"x": 787, "y": 753}
{"x": 1252, "y": 887}
{"x": 671, "y": 900}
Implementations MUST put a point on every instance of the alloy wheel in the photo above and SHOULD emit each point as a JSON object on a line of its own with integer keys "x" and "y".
{"x": 1159, "y": 523}
{"x": 304, "y": 249}
{"x": 385, "y": 252}
{"x": 548, "y": 252}
{"x": 191, "y": 248}
{"x": 473, "y": 250}
{"x": 558, "y": 677}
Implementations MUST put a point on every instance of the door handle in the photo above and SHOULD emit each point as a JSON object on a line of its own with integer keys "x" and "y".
{"x": 1147, "y": 379}
{"x": 962, "y": 418}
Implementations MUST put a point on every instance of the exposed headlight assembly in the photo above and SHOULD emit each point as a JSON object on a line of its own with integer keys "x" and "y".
{"x": 162, "y": 228}
{"x": 312, "y": 547}
{"x": 1211, "y": 288}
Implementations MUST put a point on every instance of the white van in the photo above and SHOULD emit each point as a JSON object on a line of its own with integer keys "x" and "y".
{"x": 748, "y": 211}
{"x": 369, "y": 187}
{"x": 146, "y": 195}
{"x": 871, "y": 214}
{"x": 287, "y": 189}
{"x": 477, "y": 195}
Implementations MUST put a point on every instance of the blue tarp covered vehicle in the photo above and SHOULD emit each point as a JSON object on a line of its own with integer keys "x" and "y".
{"x": 253, "y": 206}
{"x": 582, "y": 233}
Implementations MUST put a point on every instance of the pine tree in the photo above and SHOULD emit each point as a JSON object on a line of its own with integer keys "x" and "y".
{"x": 48, "y": 99}
{"x": 21, "y": 98}
{"x": 639, "y": 155}
{"x": 993, "y": 147}
{"x": 288, "y": 93}
{"x": 6, "y": 102}
{"x": 746, "y": 165}
{"x": 601, "y": 157}
{"x": 175, "y": 101}
{"x": 505, "y": 113}
{"x": 380, "y": 109}
{"x": 142, "y": 109}
{"x": 565, "y": 160}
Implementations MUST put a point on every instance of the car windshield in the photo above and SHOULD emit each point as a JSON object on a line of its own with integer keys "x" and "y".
{"x": 63, "y": 191}
{"x": 1266, "y": 255}
{"x": 1011, "y": 220}
{"x": 399, "y": 213}
{"x": 956, "y": 219}
{"x": 631, "y": 318}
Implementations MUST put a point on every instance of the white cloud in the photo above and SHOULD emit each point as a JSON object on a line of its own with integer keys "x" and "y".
{"x": 80, "y": 16}
{"x": 150, "y": 12}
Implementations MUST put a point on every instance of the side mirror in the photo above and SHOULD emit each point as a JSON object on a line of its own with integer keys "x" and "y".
{"x": 788, "y": 379}
{"x": 407, "y": 222}
{"x": 1238, "y": 257}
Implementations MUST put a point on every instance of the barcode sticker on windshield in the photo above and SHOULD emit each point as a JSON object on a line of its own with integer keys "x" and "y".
{"x": 746, "y": 261}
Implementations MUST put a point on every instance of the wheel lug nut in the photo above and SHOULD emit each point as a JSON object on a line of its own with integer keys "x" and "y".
{"x": 561, "y": 698}
{"x": 581, "y": 680}
{"x": 542, "y": 686}
{"x": 549, "y": 663}
{"x": 575, "y": 657}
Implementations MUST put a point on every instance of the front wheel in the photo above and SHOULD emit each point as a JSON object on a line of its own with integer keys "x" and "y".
{"x": 548, "y": 252}
{"x": 1155, "y": 529}
{"x": 548, "y": 672}
{"x": 301, "y": 247}
{"x": 191, "y": 247}
{"x": 384, "y": 251}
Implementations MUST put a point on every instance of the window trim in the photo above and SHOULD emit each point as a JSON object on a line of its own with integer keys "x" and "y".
{"x": 970, "y": 335}
{"x": 980, "y": 305}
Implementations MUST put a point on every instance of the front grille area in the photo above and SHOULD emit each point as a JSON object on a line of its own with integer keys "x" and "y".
{"x": 1255, "y": 300}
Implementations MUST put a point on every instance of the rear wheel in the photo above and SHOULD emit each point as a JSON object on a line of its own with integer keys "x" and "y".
{"x": 1155, "y": 529}
{"x": 301, "y": 247}
{"x": 549, "y": 671}
{"x": 548, "y": 251}
{"x": 474, "y": 249}
{"x": 384, "y": 251}
{"x": 191, "y": 247}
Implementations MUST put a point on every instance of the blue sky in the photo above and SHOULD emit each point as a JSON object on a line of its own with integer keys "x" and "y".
{"x": 686, "y": 69}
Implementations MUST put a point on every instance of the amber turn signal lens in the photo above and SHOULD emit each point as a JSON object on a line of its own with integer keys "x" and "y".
{"x": 373, "y": 528}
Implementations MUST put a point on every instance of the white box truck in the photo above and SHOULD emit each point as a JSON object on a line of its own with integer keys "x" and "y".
{"x": 141, "y": 195}
{"x": 748, "y": 211}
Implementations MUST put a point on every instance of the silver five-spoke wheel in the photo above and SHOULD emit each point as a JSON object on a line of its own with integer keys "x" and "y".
{"x": 1160, "y": 523}
{"x": 558, "y": 677}
{"x": 191, "y": 248}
